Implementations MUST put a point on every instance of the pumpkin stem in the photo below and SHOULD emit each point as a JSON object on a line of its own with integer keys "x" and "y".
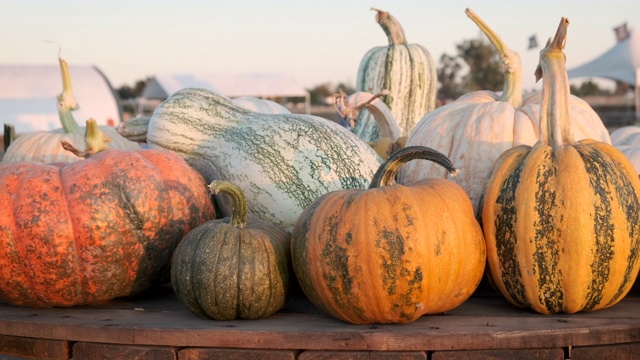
{"x": 386, "y": 173}
{"x": 349, "y": 108}
{"x": 67, "y": 101}
{"x": 512, "y": 67}
{"x": 555, "y": 124}
{"x": 239, "y": 214}
{"x": 391, "y": 27}
{"x": 95, "y": 141}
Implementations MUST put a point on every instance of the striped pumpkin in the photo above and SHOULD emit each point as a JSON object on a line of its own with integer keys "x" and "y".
{"x": 44, "y": 146}
{"x": 282, "y": 162}
{"x": 476, "y": 128}
{"x": 391, "y": 253}
{"x": 406, "y": 70}
{"x": 561, "y": 218}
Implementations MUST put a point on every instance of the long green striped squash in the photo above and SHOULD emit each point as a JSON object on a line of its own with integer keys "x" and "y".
{"x": 406, "y": 70}
{"x": 281, "y": 162}
{"x": 561, "y": 218}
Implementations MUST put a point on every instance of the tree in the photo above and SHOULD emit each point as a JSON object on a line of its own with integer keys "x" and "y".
{"x": 483, "y": 65}
{"x": 319, "y": 94}
{"x": 128, "y": 92}
{"x": 587, "y": 88}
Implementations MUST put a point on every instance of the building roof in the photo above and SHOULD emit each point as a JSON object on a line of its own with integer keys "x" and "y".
{"x": 28, "y": 96}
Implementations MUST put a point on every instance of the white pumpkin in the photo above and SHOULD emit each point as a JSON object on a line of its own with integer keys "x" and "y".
{"x": 44, "y": 146}
{"x": 474, "y": 130}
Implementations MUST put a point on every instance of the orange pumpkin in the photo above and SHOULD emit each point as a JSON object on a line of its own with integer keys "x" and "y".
{"x": 92, "y": 230}
{"x": 390, "y": 253}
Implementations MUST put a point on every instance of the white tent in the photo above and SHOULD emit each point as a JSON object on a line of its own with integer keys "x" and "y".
{"x": 264, "y": 86}
{"x": 28, "y": 96}
{"x": 621, "y": 62}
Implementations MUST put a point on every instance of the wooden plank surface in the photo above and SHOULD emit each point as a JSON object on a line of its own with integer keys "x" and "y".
{"x": 483, "y": 322}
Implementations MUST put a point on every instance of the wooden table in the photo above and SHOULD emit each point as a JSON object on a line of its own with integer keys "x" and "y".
{"x": 157, "y": 326}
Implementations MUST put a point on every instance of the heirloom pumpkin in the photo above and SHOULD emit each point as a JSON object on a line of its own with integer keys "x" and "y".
{"x": 405, "y": 70}
{"x": 390, "y": 253}
{"x": 44, "y": 146}
{"x": 476, "y": 128}
{"x": 562, "y": 218}
{"x": 92, "y": 230}
{"x": 282, "y": 162}
{"x": 232, "y": 268}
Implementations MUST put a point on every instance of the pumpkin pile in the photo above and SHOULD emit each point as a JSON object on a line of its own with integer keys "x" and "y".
{"x": 399, "y": 214}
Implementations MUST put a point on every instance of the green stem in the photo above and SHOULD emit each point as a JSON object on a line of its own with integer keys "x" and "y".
{"x": 67, "y": 101}
{"x": 95, "y": 141}
{"x": 239, "y": 214}
{"x": 391, "y": 27}
{"x": 555, "y": 121}
{"x": 387, "y": 171}
{"x": 512, "y": 90}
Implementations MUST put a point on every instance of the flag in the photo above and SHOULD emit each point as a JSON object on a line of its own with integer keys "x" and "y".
{"x": 533, "y": 42}
{"x": 621, "y": 32}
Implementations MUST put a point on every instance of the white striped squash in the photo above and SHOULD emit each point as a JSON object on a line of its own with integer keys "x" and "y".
{"x": 406, "y": 70}
{"x": 44, "y": 146}
{"x": 260, "y": 105}
{"x": 475, "y": 129}
{"x": 282, "y": 162}
{"x": 561, "y": 218}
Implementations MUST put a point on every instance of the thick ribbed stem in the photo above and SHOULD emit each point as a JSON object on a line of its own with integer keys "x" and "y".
{"x": 95, "y": 141}
{"x": 239, "y": 201}
{"x": 555, "y": 117}
{"x": 512, "y": 66}
{"x": 391, "y": 27}
{"x": 386, "y": 173}
{"x": 67, "y": 101}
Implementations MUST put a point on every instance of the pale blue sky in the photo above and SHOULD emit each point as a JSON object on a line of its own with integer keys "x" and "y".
{"x": 314, "y": 41}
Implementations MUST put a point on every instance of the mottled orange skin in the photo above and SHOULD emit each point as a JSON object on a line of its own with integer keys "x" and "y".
{"x": 93, "y": 230}
{"x": 389, "y": 254}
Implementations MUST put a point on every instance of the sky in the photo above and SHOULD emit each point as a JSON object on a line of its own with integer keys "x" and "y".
{"x": 315, "y": 42}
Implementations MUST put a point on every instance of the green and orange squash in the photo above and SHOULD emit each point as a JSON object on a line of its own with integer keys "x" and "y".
{"x": 561, "y": 218}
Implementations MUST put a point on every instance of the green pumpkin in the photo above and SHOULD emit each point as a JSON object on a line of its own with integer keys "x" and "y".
{"x": 229, "y": 268}
{"x": 405, "y": 70}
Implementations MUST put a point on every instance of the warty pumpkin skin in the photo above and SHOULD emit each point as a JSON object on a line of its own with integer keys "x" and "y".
{"x": 404, "y": 69}
{"x": 562, "y": 218}
{"x": 476, "y": 128}
{"x": 390, "y": 253}
{"x": 229, "y": 268}
{"x": 89, "y": 231}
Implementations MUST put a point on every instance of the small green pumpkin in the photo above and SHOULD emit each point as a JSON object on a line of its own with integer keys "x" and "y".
{"x": 230, "y": 268}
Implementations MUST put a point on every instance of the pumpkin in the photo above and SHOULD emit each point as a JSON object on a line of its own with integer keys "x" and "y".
{"x": 88, "y": 231}
{"x": 626, "y": 139}
{"x": 44, "y": 146}
{"x": 405, "y": 70}
{"x": 561, "y": 218}
{"x": 281, "y": 162}
{"x": 390, "y": 253}
{"x": 479, "y": 126}
{"x": 232, "y": 268}
{"x": 349, "y": 107}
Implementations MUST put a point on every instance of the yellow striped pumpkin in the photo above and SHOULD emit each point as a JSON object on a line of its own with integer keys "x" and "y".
{"x": 561, "y": 218}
